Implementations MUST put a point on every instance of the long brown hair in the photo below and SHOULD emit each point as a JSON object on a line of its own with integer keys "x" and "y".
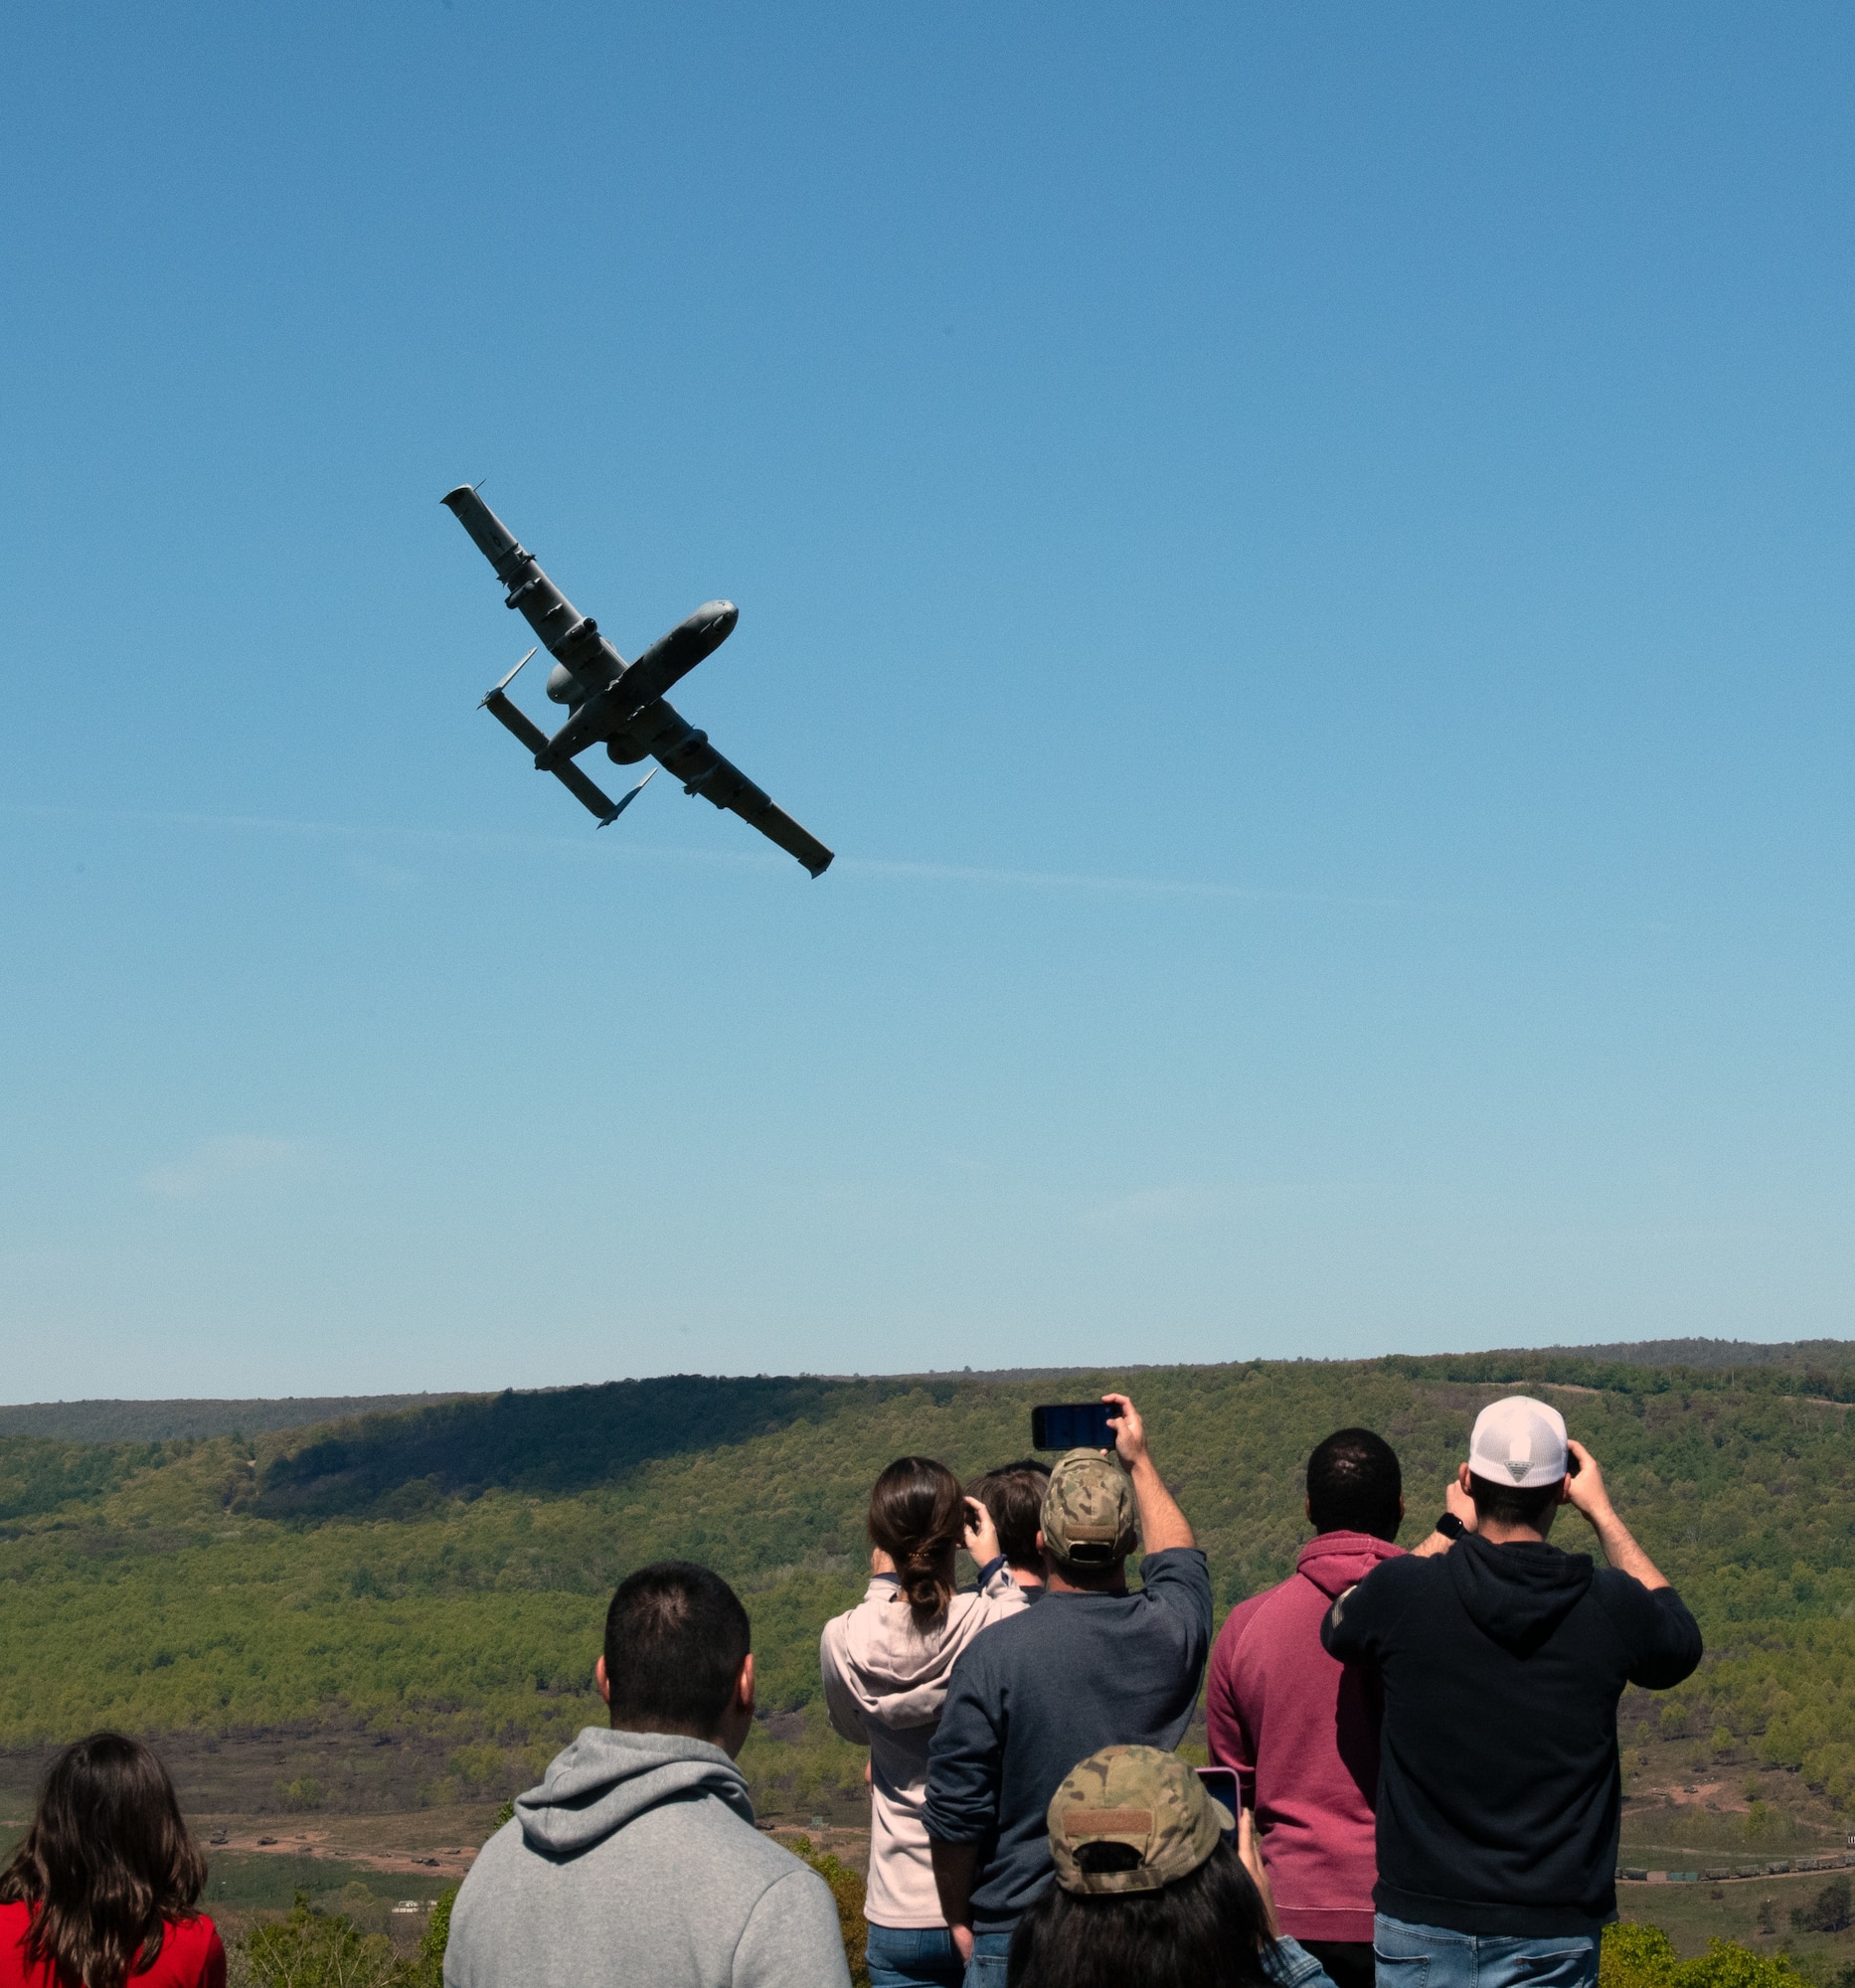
{"x": 106, "y": 1864}
{"x": 917, "y": 1516}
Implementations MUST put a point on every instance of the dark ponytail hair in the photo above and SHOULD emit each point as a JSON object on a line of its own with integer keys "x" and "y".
{"x": 918, "y": 1516}
{"x": 106, "y": 1866}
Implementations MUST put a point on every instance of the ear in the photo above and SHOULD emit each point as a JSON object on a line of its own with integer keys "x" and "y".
{"x": 1401, "y": 1510}
{"x": 1462, "y": 1478}
{"x": 1307, "y": 1506}
{"x": 1041, "y": 1547}
{"x": 743, "y": 1685}
{"x": 603, "y": 1682}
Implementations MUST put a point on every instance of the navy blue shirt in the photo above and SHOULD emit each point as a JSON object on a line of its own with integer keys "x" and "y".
{"x": 1034, "y": 1693}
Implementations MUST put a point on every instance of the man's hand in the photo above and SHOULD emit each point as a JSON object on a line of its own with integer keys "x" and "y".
{"x": 1457, "y": 1502}
{"x": 1583, "y": 1487}
{"x": 982, "y": 1535}
{"x": 1251, "y": 1853}
{"x": 1163, "y": 1524}
{"x": 954, "y": 1865}
{"x": 1129, "y": 1430}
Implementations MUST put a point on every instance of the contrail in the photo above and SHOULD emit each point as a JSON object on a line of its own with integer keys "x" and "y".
{"x": 1149, "y": 886}
{"x": 871, "y": 867}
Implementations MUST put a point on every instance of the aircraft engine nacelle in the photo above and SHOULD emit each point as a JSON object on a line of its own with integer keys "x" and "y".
{"x": 566, "y": 688}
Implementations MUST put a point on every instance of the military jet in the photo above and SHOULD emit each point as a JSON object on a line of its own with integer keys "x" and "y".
{"x": 615, "y": 704}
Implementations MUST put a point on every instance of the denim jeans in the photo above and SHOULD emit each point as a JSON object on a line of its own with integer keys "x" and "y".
{"x": 906, "y": 1956}
{"x": 1420, "y": 1956}
{"x": 990, "y": 1950}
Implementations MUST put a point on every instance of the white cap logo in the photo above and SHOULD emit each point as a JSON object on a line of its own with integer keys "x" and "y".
{"x": 1520, "y": 1439}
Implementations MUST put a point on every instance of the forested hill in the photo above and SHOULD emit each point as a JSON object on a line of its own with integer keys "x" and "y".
{"x": 106, "y": 1422}
{"x": 442, "y": 1569}
{"x": 161, "y": 1422}
{"x": 556, "y": 1442}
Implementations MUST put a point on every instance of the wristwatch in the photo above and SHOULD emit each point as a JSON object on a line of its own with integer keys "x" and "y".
{"x": 1451, "y": 1527}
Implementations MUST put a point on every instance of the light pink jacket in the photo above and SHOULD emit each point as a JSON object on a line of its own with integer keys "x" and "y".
{"x": 885, "y": 1683}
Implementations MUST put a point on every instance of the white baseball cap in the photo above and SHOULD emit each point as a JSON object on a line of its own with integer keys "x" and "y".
{"x": 1518, "y": 1442}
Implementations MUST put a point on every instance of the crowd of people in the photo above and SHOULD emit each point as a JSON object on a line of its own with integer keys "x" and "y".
{"x": 1421, "y": 1744}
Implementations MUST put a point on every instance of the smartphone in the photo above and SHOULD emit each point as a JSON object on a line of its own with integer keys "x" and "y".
{"x": 1072, "y": 1425}
{"x": 1221, "y": 1787}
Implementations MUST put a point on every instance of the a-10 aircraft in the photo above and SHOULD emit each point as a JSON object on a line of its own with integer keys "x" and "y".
{"x": 615, "y": 704}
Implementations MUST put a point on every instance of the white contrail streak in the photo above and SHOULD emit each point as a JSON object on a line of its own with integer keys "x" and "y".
{"x": 868, "y": 868}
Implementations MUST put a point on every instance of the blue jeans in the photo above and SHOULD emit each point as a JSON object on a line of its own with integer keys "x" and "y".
{"x": 1420, "y": 1956}
{"x": 986, "y": 1968}
{"x": 905, "y": 1956}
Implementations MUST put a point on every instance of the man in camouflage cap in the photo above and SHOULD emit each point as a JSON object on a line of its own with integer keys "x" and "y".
{"x": 1131, "y": 1819}
{"x": 1090, "y": 1518}
{"x": 1094, "y": 1666}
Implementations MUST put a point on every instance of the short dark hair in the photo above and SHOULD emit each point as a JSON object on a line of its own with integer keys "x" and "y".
{"x": 1355, "y": 1485}
{"x": 1204, "y": 1931}
{"x": 1510, "y": 1504}
{"x": 1014, "y": 1495}
{"x": 676, "y": 1637}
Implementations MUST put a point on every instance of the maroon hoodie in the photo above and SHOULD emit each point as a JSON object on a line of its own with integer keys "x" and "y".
{"x": 1302, "y": 1733}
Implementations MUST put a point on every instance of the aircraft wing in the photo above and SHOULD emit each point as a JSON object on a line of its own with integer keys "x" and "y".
{"x": 686, "y": 752}
{"x": 757, "y": 810}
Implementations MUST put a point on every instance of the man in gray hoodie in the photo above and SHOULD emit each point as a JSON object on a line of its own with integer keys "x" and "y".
{"x": 636, "y": 1860}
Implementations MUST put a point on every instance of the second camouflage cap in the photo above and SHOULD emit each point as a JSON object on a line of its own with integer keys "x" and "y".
{"x": 1089, "y": 1514}
{"x": 1133, "y": 1819}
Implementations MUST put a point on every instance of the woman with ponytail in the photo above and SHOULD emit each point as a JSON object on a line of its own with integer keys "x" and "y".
{"x": 101, "y": 1892}
{"x": 886, "y": 1668}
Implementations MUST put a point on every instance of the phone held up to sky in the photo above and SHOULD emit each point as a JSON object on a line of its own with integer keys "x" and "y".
{"x": 1072, "y": 1425}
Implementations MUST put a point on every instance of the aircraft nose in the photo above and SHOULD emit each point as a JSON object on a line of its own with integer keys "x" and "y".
{"x": 721, "y": 616}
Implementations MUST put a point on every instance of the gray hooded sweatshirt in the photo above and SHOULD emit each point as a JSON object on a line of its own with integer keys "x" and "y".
{"x": 636, "y": 1862}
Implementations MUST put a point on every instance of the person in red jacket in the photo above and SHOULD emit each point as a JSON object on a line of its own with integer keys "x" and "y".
{"x": 102, "y": 1890}
{"x": 1302, "y": 1731}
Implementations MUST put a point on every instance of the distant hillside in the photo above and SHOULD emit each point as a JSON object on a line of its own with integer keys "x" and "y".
{"x": 106, "y": 1422}
{"x": 553, "y": 1442}
{"x": 433, "y": 1576}
{"x": 163, "y": 1421}
{"x": 1793, "y": 1353}
{"x": 559, "y": 1440}
{"x": 1796, "y": 1353}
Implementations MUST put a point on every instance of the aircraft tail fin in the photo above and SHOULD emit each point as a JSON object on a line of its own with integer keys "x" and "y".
{"x": 512, "y": 718}
{"x": 518, "y": 722}
{"x": 588, "y": 795}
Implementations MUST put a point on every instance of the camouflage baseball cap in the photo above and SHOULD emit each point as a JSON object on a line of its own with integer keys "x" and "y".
{"x": 1131, "y": 1819}
{"x": 1088, "y": 1515}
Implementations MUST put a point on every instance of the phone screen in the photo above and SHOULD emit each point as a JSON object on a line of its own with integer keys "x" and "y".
{"x": 1221, "y": 1787}
{"x": 1072, "y": 1425}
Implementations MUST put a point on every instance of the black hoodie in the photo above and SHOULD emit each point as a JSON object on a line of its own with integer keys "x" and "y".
{"x": 1498, "y": 1788}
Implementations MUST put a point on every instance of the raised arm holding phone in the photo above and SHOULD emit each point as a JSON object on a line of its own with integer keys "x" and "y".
{"x": 1094, "y": 1665}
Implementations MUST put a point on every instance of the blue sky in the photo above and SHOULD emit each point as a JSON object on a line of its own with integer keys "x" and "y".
{"x": 1300, "y": 557}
